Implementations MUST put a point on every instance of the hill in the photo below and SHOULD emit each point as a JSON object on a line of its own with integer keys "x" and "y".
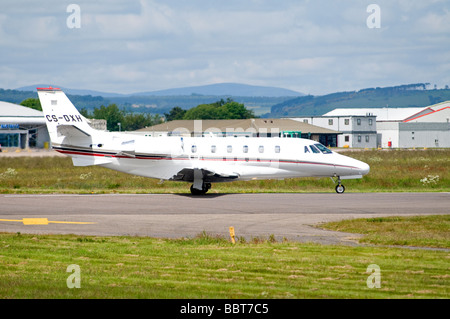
{"x": 226, "y": 89}
{"x": 32, "y": 88}
{"x": 144, "y": 104}
{"x": 80, "y": 101}
{"x": 257, "y": 98}
{"x": 411, "y": 95}
{"x": 220, "y": 89}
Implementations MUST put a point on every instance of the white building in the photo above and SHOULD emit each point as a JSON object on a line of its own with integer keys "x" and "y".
{"x": 357, "y": 130}
{"x": 22, "y": 127}
{"x": 408, "y": 127}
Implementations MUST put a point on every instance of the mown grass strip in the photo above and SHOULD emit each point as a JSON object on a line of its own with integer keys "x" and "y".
{"x": 34, "y": 266}
{"x": 417, "y": 231}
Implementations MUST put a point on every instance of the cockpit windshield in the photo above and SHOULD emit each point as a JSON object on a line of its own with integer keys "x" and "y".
{"x": 314, "y": 149}
{"x": 323, "y": 149}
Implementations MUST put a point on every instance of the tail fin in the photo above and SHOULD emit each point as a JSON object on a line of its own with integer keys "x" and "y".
{"x": 62, "y": 118}
{"x": 69, "y": 131}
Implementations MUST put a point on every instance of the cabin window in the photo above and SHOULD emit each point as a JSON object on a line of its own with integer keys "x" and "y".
{"x": 277, "y": 149}
{"x": 314, "y": 149}
{"x": 245, "y": 149}
{"x": 307, "y": 149}
{"x": 261, "y": 148}
{"x": 229, "y": 149}
{"x": 330, "y": 122}
{"x": 359, "y": 138}
{"x": 194, "y": 149}
{"x": 347, "y": 121}
{"x": 347, "y": 138}
{"x": 367, "y": 138}
{"x": 213, "y": 148}
{"x": 370, "y": 121}
{"x": 358, "y": 121}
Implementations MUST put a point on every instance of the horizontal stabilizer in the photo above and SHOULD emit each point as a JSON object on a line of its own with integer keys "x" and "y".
{"x": 71, "y": 130}
{"x": 90, "y": 160}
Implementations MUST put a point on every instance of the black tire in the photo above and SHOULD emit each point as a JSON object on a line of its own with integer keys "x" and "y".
{"x": 340, "y": 189}
{"x": 195, "y": 191}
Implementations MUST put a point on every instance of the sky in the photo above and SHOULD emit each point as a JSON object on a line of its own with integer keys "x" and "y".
{"x": 313, "y": 47}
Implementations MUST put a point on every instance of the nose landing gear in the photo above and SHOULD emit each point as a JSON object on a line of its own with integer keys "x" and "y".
{"x": 340, "y": 189}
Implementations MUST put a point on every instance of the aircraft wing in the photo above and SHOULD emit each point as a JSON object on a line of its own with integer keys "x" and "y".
{"x": 210, "y": 175}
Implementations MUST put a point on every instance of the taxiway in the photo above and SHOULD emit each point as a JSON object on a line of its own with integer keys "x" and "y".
{"x": 290, "y": 216}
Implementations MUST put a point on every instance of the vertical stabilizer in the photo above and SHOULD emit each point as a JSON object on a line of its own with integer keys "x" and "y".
{"x": 62, "y": 118}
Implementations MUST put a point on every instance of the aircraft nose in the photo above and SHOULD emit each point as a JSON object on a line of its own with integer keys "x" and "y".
{"x": 363, "y": 168}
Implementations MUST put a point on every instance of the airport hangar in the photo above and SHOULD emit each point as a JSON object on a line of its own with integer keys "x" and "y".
{"x": 389, "y": 127}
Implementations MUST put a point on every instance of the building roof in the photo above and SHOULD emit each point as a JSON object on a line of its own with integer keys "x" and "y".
{"x": 259, "y": 125}
{"x": 400, "y": 114}
{"x": 16, "y": 110}
{"x": 435, "y": 113}
{"x": 382, "y": 114}
{"x": 14, "y": 113}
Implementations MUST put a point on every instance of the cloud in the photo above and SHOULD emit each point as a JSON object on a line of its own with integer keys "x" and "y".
{"x": 310, "y": 46}
{"x": 151, "y": 19}
{"x": 436, "y": 23}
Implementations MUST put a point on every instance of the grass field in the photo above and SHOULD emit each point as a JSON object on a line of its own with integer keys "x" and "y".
{"x": 391, "y": 171}
{"x": 35, "y": 266}
{"x": 416, "y": 231}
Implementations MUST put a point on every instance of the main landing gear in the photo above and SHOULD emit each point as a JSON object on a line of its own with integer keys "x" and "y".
{"x": 205, "y": 188}
{"x": 340, "y": 189}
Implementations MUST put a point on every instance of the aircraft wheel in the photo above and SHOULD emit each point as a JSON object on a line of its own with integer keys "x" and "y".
{"x": 203, "y": 191}
{"x": 340, "y": 189}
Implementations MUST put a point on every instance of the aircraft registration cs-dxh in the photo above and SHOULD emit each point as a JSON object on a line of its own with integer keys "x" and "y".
{"x": 198, "y": 160}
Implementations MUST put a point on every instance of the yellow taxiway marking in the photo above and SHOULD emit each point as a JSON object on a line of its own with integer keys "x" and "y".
{"x": 35, "y": 221}
{"x": 41, "y": 221}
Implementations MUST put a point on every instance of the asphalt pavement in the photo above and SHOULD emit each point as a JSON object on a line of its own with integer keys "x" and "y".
{"x": 291, "y": 216}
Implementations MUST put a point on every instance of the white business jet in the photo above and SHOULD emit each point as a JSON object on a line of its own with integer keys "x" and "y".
{"x": 197, "y": 160}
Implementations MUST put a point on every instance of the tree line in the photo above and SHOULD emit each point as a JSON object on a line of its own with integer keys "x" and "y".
{"x": 220, "y": 110}
{"x": 121, "y": 120}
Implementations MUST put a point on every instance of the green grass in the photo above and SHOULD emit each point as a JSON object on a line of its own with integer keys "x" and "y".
{"x": 34, "y": 266}
{"x": 391, "y": 171}
{"x": 419, "y": 231}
